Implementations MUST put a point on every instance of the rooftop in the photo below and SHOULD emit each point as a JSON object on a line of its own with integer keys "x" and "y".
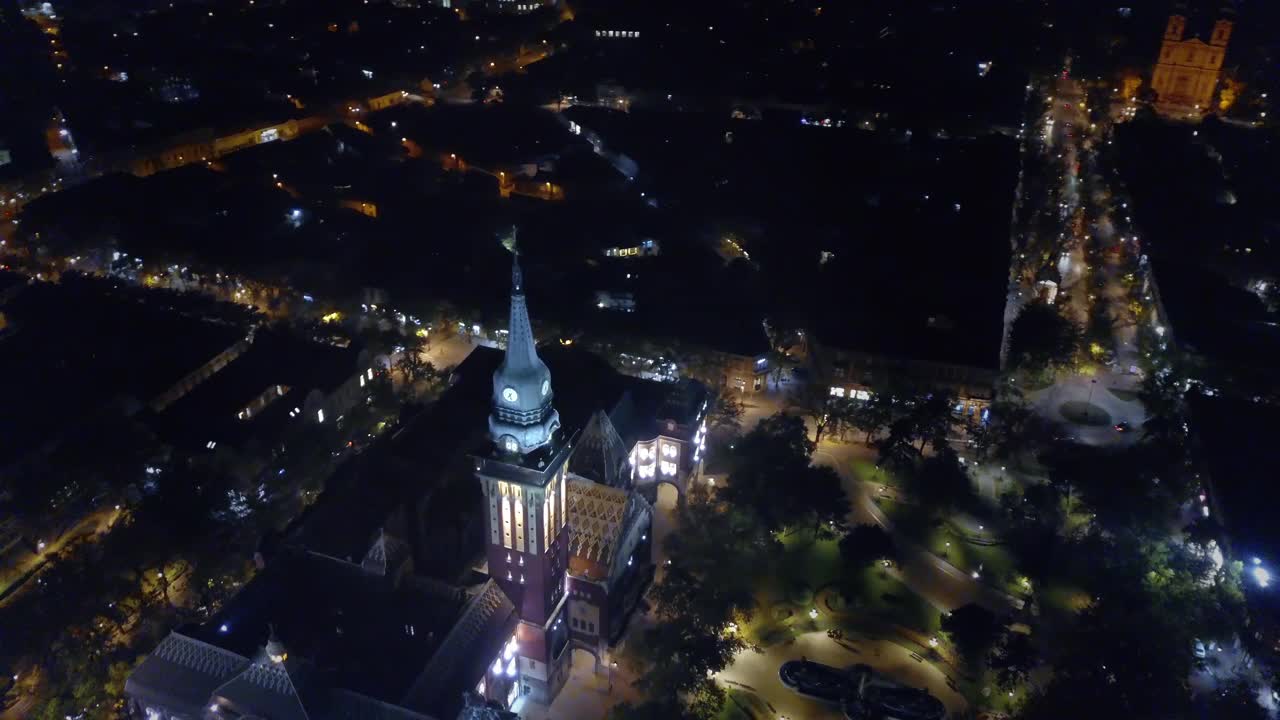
{"x": 1238, "y": 439}
{"x": 354, "y": 645}
{"x": 904, "y": 249}
{"x": 596, "y": 516}
{"x": 76, "y": 347}
{"x": 274, "y": 360}
{"x": 1228, "y": 325}
{"x": 352, "y": 626}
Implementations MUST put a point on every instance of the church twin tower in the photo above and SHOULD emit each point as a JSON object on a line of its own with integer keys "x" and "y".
{"x": 1186, "y": 73}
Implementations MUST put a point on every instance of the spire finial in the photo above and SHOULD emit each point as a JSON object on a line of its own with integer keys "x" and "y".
{"x": 276, "y": 652}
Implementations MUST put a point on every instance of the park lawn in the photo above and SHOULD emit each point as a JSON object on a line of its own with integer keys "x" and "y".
{"x": 995, "y": 560}
{"x": 786, "y": 591}
{"x": 907, "y": 518}
{"x": 1060, "y": 604}
{"x": 887, "y": 599}
{"x": 785, "y": 588}
{"x": 866, "y": 471}
{"x": 1001, "y": 701}
{"x": 741, "y": 705}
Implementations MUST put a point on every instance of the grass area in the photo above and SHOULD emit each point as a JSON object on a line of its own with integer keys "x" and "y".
{"x": 742, "y": 705}
{"x": 789, "y": 589}
{"x": 999, "y": 700}
{"x": 942, "y": 539}
{"x": 866, "y": 471}
{"x": 1060, "y": 603}
{"x": 887, "y": 598}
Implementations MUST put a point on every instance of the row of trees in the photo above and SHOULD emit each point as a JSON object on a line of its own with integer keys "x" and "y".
{"x": 1042, "y": 337}
{"x": 719, "y": 548}
{"x": 1100, "y": 523}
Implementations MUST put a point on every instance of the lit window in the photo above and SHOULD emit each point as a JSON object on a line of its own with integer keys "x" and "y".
{"x": 370, "y": 373}
{"x": 837, "y": 391}
{"x": 668, "y": 468}
{"x": 320, "y": 416}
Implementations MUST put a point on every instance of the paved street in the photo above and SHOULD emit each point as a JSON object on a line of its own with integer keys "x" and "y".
{"x": 1068, "y": 143}
{"x": 759, "y": 406}
{"x": 1079, "y": 389}
{"x": 448, "y": 351}
{"x": 94, "y": 523}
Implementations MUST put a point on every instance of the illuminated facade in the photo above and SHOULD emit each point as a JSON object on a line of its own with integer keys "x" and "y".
{"x": 518, "y": 6}
{"x": 853, "y": 374}
{"x": 214, "y": 147}
{"x": 572, "y": 552}
{"x": 524, "y": 478}
{"x": 1186, "y": 73}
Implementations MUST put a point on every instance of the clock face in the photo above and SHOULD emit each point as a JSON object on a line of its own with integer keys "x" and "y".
{"x": 509, "y": 394}
{"x": 546, "y": 387}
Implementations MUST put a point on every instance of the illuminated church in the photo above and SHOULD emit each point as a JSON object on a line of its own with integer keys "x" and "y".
{"x": 1186, "y": 73}
{"x": 347, "y": 619}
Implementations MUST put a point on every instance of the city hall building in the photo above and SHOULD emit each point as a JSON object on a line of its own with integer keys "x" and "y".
{"x": 349, "y": 618}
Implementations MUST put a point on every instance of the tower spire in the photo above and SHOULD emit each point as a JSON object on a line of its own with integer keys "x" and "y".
{"x": 522, "y": 351}
{"x": 522, "y": 418}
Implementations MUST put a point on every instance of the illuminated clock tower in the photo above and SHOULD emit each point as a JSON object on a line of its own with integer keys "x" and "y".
{"x": 523, "y": 476}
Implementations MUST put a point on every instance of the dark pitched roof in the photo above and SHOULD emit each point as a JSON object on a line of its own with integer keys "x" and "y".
{"x": 265, "y": 689}
{"x": 355, "y": 628}
{"x": 601, "y": 453}
{"x": 76, "y": 346}
{"x": 479, "y": 635}
{"x": 183, "y": 672}
{"x": 649, "y": 405}
{"x": 210, "y": 411}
